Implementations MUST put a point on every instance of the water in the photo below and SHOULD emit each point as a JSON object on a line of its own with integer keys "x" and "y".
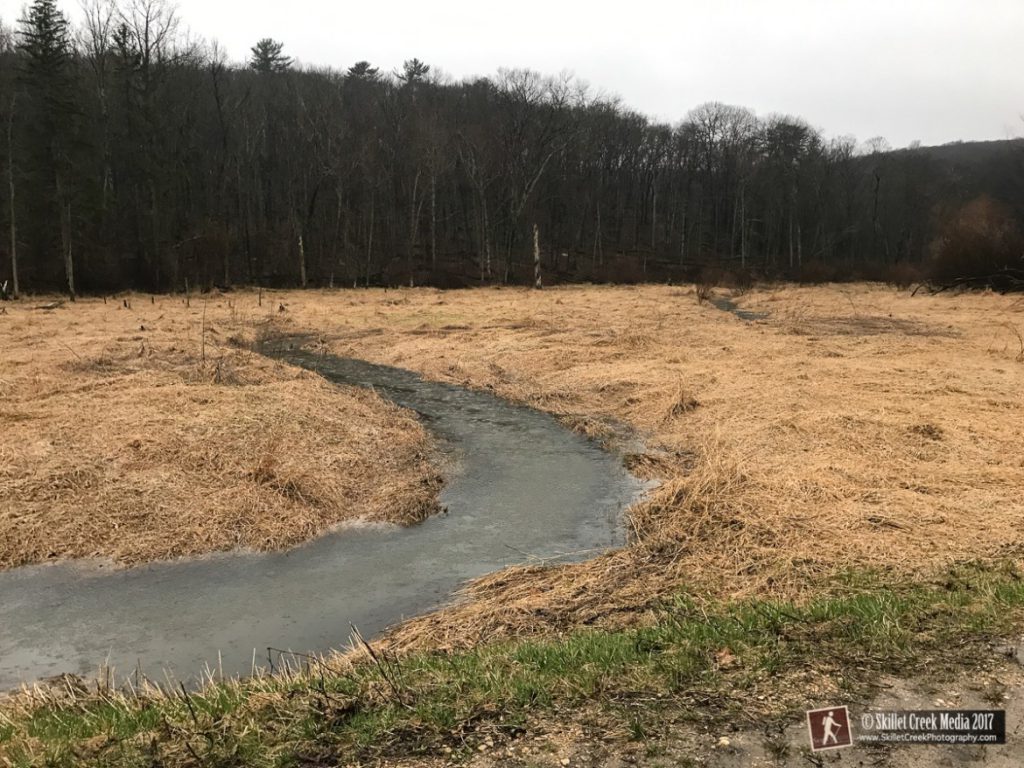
{"x": 728, "y": 305}
{"x": 521, "y": 487}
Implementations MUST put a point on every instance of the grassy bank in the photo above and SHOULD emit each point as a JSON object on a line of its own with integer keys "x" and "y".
{"x": 143, "y": 429}
{"x": 699, "y": 659}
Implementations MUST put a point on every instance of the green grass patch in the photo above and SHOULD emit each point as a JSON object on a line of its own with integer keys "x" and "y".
{"x": 726, "y": 651}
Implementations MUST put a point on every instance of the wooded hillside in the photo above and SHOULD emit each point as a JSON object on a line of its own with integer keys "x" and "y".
{"x": 132, "y": 157}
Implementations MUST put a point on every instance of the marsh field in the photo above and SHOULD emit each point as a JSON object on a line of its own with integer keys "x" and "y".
{"x": 836, "y": 511}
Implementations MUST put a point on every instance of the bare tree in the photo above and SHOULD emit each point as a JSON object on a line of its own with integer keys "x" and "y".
{"x": 7, "y": 52}
{"x": 13, "y": 222}
{"x": 174, "y": 164}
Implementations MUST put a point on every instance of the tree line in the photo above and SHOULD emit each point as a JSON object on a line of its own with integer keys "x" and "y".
{"x": 135, "y": 157}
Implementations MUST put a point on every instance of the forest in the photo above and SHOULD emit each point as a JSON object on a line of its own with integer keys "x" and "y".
{"x": 134, "y": 156}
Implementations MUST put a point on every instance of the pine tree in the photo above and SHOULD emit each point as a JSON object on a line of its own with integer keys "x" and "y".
{"x": 267, "y": 57}
{"x": 362, "y": 70}
{"x": 413, "y": 71}
{"x": 45, "y": 44}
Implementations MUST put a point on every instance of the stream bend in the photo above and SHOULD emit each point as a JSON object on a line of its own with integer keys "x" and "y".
{"x": 520, "y": 486}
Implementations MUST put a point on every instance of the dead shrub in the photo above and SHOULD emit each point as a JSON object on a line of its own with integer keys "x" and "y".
{"x": 982, "y": 244}
{"x": 703, "y": 292}
{"x": 682, "y": 402}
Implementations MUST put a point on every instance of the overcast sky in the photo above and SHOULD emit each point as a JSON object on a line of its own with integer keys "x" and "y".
{"x": 929, "y": 70}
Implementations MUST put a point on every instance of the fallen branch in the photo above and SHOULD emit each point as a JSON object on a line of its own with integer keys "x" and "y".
{"x": 1007, "y": 281}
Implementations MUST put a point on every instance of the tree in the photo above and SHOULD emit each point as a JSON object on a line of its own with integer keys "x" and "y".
{"x": 8, "y": 107}
{"x": 362, "y": 70}
{"x": 45, "y": 43}
{"x": 157, "y": 163}
{"x": 6, "y": 38}
{"x": 11, "y": 196}
{"x": 981, "y": 244}
{"x": 268, "y": 57}
{"x": 156, "y": 72}
{"x": 413, "y": 71}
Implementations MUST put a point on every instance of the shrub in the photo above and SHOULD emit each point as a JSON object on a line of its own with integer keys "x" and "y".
{"x": 982, "y": 244}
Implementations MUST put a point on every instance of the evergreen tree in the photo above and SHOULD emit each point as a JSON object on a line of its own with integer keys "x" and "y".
{"x": 413, "y": 71}
{"x": 45, "y": 45}
{"x": 267, "y": 56}
{"x": 45, "y": 42}
{"x": 362, "y": 70}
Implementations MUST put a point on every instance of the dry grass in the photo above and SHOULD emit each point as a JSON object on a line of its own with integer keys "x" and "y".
{"x": 855, "y": 431}
{"x": 130, "y": 434}
{"x": 856, "y": 427}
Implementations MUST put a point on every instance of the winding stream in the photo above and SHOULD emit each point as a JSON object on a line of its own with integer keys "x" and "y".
{"x": 728, "y": 305}
{"x": 521, "y": 486}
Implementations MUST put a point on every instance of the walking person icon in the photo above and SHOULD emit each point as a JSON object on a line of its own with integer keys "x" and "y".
{"x": 829, "y": 728}
{"x": 832, "y": 729}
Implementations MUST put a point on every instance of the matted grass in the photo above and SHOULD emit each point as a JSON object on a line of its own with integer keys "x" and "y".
{"x": 130, "y": 434}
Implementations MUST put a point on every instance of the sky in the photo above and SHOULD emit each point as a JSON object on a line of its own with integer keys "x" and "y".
{"x": 909, "y": 70}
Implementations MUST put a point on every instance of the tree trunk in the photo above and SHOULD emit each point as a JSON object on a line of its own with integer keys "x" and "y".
{"x": 340, "y": 238}
{"x": 874, "y": 217}
{"x": 682, "y": 235}
{"x": 743, "y": 227}
{"x": 227, "y": 265}
{"x": 369, "y": 239}
{"x": 791, "y": 238}
{"x": 486, "y": 238}
{"x": 65, "y": 237}
{"x": 155, "y": 234}
{"x": 413, "y": 222}
{"x": 10, "y": 183}
{"x": 654, "y": 217}
{"x": 537, "y": 283}
{"x": 69, "y": 263}
{"x": 433, "y": 222}
{"x": 302, "y": 262}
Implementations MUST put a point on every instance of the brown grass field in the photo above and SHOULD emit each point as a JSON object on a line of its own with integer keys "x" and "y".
{"x": 856, "y": 427}
{"x": 840, "y": 480}
{"x": 853, "y": 427}
{"x": 126, "y": 436}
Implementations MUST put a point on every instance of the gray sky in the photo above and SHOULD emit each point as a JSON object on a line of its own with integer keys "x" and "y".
{"x": 933, "y": 70}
